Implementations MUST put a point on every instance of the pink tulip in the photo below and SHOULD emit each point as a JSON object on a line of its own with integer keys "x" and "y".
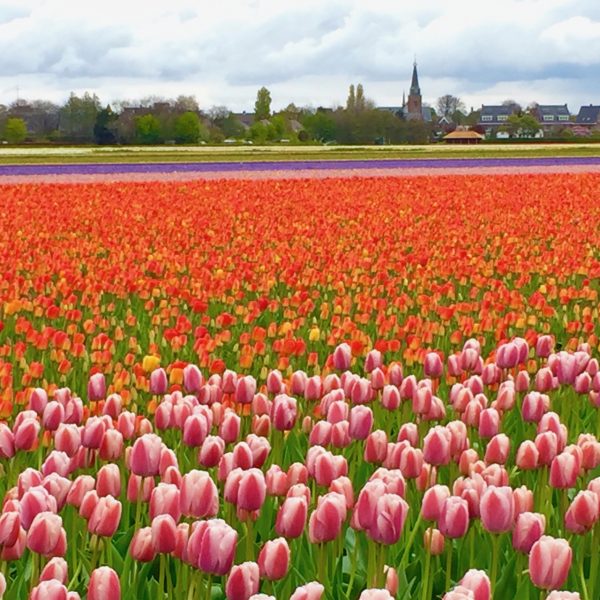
{"x": 436, "y": 446}
{"x": 274, "y": 559}
{"x": 50, "y": 589}
{"x": 375, "y": 594}
{"x": 342, "y": 357}
{"x": 390, "y": 515}
{"x": 164, "y": 534}
{"x": 96, "y": 388}
{"x": 498, "y": 449}
{"x": 192, "y": 378}
{"x": 46, "y": 535}
{"x": 310, "y": 591}
{"x": 291, "y": 517}
{"x": 564, "y": 470}
{"x": 529, "y": 528}
{"x": 145, "y": 455}
{"x": 34, "y": 501}
{"x": 104, "y": 583}
{"x": 284, "y": 412}
{"x": 560, "y": 595}
{"x": 111, "y": 447}
{"x": 108, "y": 481}
{"x": 158, "y": 382}
{"x": 252, "y": 490}
{"x": 105, "y": 517}
{"x": 497, "y": 509}
{"x": 199, "y": 496}
{"x": 38, "y": 400}
{"x": 229, "y": 429}
{"x": 326, "y": 521}
{"x": 544, "y": 346}
{"x": 433, "y": 366}
{"x": 56, "y": 568}
{"x": 10, "y": 527}
{"x": 165, "y": 500}
{"x": 361, "y": 422}
{"x": 433, "y": 541}
{"x": 549, "y": 562}
{"x": 478, "y": 582}
{"x": 454, "y": 517}
{"x": 583, "y": 512}
{"x": 216, "y": 543}
{"x": 527, "y": 456}
{"x": 243, "y": 581}
{"x": 433, "y": 501}
{"x": 141, "y": 547}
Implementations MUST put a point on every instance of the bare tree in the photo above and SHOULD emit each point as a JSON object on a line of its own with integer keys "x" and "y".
{"x": 447, "y": 105}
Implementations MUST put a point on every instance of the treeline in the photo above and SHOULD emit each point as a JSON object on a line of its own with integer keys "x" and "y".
{"x": 85, "y": 120}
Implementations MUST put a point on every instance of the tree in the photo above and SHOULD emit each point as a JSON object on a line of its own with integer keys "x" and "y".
{"x": 447, "y": 105}
{"x": 15, "y": 131}
{"x": 105, "y": 126}
{"x": 360, "y": 97}
{"x": 78, "y": 117}
{"x": 187, "y": 128}
{"x": 351, "y": 101}
{"x": 186, "y": 104}
{"x": 529, "y": 126}
{"x": 262, "y": 106}
{"x": 320, "y": 126}
{"x": 148, "y": 130}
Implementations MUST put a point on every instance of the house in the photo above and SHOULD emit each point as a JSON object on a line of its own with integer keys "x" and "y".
{"x": 552, "y": 116}
{"x": 463, "y": 136}
{"x": 589, "y": 118}
{"x": 493, "y": 116}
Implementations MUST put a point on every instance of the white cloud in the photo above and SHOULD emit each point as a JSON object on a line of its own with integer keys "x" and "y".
{"x": 307, "y": 52}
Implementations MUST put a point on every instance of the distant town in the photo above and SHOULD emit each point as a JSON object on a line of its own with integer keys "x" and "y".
{"x": 85, "y": 120}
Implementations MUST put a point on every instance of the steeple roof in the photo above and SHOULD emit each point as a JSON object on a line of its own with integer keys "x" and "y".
{"x": 415, "y": 90}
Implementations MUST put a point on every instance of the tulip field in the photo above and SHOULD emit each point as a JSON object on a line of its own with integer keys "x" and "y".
{"x": 301, "y": 388}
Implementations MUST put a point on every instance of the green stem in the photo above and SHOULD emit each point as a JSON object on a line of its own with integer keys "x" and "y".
{"x": 583, "y": 582}
{"x": 409, "y": 544}
{"x": 494, "y": 573}
{"x": 209, "y": 587}
{"x": 161, "y": 577}
{"x": 425, "y": 578}
{"x": 353, "y": 568}
{"x": 448, "y": 566}
{"x": 249, "y": 539}
{"x": 595, "y": 557}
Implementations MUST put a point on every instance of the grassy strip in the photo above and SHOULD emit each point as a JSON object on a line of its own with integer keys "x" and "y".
{"x": 248, "y": 154}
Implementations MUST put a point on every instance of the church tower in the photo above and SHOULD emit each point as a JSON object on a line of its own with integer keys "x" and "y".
{"x": 414, "y": 108}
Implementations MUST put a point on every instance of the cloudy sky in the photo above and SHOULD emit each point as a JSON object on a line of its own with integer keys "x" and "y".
{"x": 305, "y": 51}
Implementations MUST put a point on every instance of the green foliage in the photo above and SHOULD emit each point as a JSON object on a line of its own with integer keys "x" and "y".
{"x": 78, "y": 117}
{"x": 105, "y": 126}
{"x": 524, "y": 125}
{"x": 262, "y": 106}
{"x": 15, "y": 131}
{"x": 351, "y": 100}
{"x": 188, "y": 128}
{"x": 320, "y": 126}
{"x": 148, "y": 129}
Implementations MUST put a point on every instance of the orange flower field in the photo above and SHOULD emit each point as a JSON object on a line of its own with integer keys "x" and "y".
{"x": 104, "y": 286}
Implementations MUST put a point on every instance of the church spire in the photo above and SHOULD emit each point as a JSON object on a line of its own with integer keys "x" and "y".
{"x": 414, "y": 84}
